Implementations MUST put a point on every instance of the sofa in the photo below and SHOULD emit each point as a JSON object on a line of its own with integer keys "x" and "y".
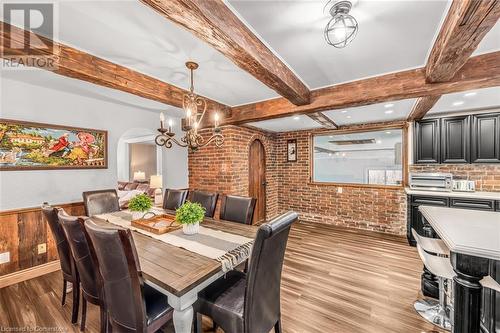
{"x": 128, "y": 190}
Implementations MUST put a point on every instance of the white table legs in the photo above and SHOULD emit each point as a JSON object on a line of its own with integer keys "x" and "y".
{"x": 183, "y": 320}
{"x": 183, "y": 305}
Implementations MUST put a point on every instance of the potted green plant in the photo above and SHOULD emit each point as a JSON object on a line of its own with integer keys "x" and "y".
{"x": 190, "y": 215}
{"x": 140, "y": 205}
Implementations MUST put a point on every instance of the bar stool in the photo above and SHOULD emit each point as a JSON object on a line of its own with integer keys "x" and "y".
{"x": 439, "y": 265}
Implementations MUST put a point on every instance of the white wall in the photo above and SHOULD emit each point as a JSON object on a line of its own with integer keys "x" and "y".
{"x": 21, "y": 100}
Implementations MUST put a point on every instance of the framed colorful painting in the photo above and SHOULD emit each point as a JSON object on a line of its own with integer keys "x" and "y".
{"x": 35, "y": 146}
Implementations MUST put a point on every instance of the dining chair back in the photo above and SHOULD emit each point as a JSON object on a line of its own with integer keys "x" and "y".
{"x": 65, "y": 259}
{"x": 87, "y": 267}
{"x": 173, "y": 199}
{"x": 262, "y": 299}
{"x": 126, "y": 294}
{"x": 207, "y": 200}
{"x": 100, "y": 202}
{"x": 237, "y": 209}
{"x": 68, "y": 268}
{"x": 250, "y": 302}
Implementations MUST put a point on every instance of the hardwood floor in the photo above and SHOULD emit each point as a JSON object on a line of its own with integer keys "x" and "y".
{"x": 334, "y": 280}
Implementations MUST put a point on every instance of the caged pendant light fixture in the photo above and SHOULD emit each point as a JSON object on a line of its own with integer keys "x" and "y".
{"x": 342, "y": 27}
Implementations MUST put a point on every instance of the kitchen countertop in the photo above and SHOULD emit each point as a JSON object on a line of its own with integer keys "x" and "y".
{"x": 466, "y": 231}
{"x": 471, "y": 195}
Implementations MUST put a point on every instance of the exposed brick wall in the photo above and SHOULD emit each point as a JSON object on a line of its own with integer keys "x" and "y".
{"x": 289, "y": 188}
{"x": 486, "y": 176}
{"x": 225, "y": 169}
{"x": 358, "y": 207}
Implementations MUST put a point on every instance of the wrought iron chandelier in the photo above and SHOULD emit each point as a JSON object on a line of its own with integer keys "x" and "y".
{"x": 195, "y": 108}
{"x": 342, "y": 27}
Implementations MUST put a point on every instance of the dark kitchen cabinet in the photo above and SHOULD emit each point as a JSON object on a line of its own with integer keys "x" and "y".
{"x": 455, "y": 140}
{"x": 485, "y": 138}
{"x": 427, "y": 141}
{"x": 415, "y": 220}
{"x": 459, "y": 139}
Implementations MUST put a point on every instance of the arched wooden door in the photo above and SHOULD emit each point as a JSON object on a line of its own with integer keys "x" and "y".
{"x": 257, "y": 179}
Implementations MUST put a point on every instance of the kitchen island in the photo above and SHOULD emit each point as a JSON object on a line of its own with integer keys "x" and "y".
{"x": 473, "y": 237}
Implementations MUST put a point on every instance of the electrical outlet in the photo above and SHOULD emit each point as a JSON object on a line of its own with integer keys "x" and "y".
{"x": 339, "y": 190}
{"x": 42, "y": 248}
{"x": 4, "y": 257}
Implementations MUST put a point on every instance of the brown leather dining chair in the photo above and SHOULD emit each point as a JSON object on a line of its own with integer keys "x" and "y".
{"x": 250, "y": 303}
{"x": 133, "y": 305}
{"x": 87, "y": 267}
{"x": 237, "y": 209}
{"x": 68, "y": 268}
{"x": 100, "y": 202}
{"x": 173, "y": 199}
{"x": 207, "y": 200}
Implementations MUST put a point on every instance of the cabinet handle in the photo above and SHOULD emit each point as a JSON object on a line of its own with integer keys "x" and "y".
{"x": 430, "y": 202}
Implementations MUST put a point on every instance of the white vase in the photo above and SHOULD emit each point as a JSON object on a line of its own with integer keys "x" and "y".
{"x": 137, "y": 215}
{"x": 191, "y": 229}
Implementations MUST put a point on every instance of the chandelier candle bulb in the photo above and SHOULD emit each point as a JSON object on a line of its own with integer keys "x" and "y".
{"x": 162, "y": 120}
{"x": 170, "y": 125}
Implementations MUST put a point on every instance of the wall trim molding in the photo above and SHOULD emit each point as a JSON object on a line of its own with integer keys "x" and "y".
{"x": 34, "y": 209}
{"x": 30, "y": 273}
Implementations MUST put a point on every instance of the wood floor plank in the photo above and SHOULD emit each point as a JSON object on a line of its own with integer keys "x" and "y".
{"x": 334, "y": 280}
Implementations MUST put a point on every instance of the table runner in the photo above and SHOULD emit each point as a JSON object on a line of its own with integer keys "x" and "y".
{"x": 229, "y": 249}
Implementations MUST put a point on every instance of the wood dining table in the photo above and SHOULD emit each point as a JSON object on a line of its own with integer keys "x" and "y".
{"x": 181, "y": 274}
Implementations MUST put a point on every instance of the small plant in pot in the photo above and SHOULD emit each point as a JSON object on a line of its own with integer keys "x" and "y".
{"x": 140, "y": 205}
{"x": 190, "y": 215}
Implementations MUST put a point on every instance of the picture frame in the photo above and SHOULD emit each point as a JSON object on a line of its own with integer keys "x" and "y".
{"x": 291, "y": 149}
{"x": 38, "y": 146}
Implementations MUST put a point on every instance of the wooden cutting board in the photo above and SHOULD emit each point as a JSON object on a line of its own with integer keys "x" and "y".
{"x": 158, "y": 224}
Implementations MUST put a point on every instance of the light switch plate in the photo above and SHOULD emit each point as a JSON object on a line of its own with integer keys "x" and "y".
{"x": 4, "y": 257}
{"x": 339, "y": 190}
{"x": 42, "y": 248}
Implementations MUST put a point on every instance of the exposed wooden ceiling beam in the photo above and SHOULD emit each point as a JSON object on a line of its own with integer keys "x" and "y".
{"x": 323, "y": 120}
{"x": 213, "y": 22}
{"x": 479, "y": 72}
{"x": 77, "y": 64}
{"x": 467, "y": 22}
{"x": 422, "y": 106}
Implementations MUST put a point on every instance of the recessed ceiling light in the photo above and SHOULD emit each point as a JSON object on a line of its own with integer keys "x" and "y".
{"x": 348, "y": 117}
{"x": 343, "y": 111}
{"x": 388, "y": 111}
{"x": 329, "y": 154}
{"x": 296, "y": 118}
{"x": 390, "y": 105}
{"x": 379, "y": 141}
{"x": 470, "y": 94}
{"x": 330, "y": 136}
{"x": 343, "y": 154}
{"x": 388, "y": 132}
{"x": 457, "y": 103}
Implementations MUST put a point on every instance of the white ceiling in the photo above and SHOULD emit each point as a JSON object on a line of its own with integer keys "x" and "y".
{"x": 82, "y": 88}
{"x": 388, "y": 111}
{"x": 486, "y": 98}
{"x": 490, "y": 42}
{"x": 393, "y": 36}
{"x": 133, "y": 35}
{"x": 286, "y": 124}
